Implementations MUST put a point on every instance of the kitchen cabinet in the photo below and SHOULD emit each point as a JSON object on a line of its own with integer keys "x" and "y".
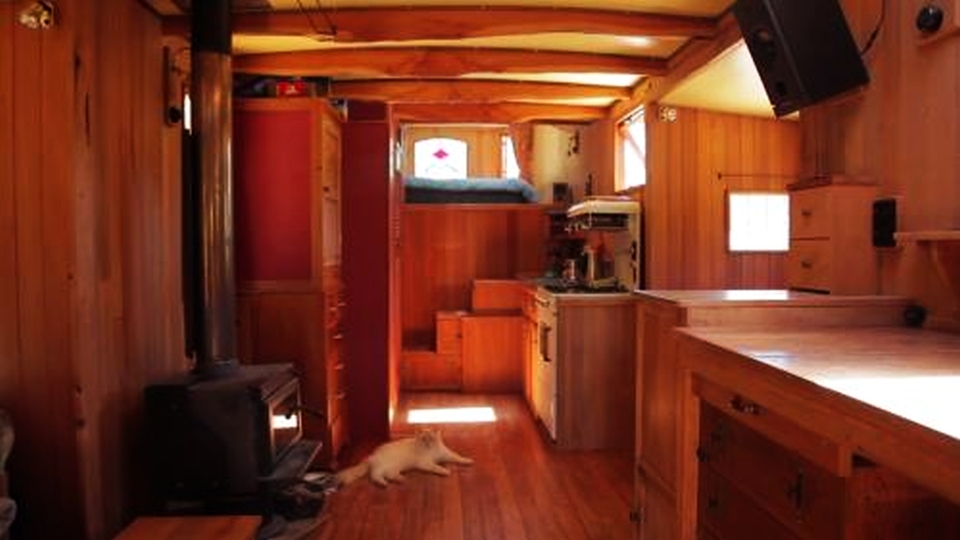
{"x": 587, "y": 369}
{"x": 831, "y": 237}
{"x": 287, "y": 214}
{"x": 813, "y": 433}
{"x": 658, "y": 425}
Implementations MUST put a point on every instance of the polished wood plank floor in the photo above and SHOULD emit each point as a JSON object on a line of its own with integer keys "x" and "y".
{"x": 519, "y": 487}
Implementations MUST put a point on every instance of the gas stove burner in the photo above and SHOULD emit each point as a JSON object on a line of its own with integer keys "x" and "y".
{"x": 581, "y": 288}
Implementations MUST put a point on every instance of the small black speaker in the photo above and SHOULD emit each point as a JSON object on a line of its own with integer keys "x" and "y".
{"x": 884, "y": 222}
{"x": 802, "y": 49}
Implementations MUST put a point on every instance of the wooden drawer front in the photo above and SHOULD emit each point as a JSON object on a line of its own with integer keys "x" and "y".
{"x": 822, "y": 452}
{"x": 809, "y": 265}
{"x": 726, "y": 513}
{"x": 333, "y": 306}
{"x": 448, "y": 335}
{"x": 810, "y": 213}
{"x": 338, "y": 435}
{"x": 806, "y": 498}
{"x": 336, "y": 399}
{"x": 427, "y": 370}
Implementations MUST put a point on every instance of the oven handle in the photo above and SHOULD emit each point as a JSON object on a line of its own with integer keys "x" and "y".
{"x": 545, "y": 330}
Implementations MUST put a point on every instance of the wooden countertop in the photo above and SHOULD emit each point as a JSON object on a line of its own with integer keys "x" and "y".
{"x": 895, "y": 390}
{"x": 761, "y": 297}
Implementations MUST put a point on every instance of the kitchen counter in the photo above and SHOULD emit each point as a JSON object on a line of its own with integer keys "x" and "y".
{"x": 775, "y": 308}
{"x": 891, "y": 394}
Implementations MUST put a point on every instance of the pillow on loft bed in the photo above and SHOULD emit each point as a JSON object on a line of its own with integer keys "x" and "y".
{"x": 468, "y": 190}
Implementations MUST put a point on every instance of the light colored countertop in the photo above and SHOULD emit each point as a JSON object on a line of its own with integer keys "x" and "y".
{"x": 910, "y": 373}
{"x": 760, "y": 297}
{"x": 891, "y": 394}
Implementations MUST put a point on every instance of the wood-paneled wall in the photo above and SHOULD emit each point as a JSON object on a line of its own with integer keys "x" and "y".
{"x": 903, "y": 129}
{"x": 685, "y": 204}
{"x": 446, "y": 247}
{"x": 89, "y": 261}
{"x": 483, "y": 146}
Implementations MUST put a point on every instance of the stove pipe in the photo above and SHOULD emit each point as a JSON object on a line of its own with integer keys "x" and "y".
{"x": 211, "y": 83}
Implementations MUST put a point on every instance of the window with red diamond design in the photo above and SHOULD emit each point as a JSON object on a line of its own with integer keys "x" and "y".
{"x": 440, "y": 158}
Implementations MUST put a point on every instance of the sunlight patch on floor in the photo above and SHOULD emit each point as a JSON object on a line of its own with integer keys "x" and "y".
{"x": 451, "y": 415}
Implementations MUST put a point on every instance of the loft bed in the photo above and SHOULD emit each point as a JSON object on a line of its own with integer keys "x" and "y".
{"x": 467, "y": 191}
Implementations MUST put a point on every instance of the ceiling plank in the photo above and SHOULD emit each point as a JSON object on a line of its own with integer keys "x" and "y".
{"x": 418, "y": 23}
{"x": 692, "y": 57}
{"x": 498, "y": 113}
{"x": 469, "y": 91}
{"x": 439, "y": 62}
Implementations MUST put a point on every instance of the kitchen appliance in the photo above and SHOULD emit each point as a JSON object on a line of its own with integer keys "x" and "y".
{"x": 617, "y": 221}
{"x": 545, "y": 369}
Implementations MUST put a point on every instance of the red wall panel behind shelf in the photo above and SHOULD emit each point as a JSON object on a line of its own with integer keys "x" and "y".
{"x": 365, "y": 191}
{"x": 273, "y": 167}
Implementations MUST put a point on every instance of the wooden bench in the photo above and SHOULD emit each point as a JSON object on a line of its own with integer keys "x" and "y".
{"x": 192, "y": 528}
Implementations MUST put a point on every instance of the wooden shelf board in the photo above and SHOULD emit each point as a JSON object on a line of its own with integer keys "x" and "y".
{"x": 928, "y": 236}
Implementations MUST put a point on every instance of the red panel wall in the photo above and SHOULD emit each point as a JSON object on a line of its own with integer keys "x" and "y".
{"x": 273, "y": 168}
{"x": 365, "y": 193}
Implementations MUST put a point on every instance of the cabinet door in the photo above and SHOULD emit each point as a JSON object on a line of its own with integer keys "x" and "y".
{"x": 492, "y": 354}
{"x": 273, "y": 194}
{"x": 330, "y": 181}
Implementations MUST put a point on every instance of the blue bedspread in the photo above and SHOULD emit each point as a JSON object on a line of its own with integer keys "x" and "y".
{"x": 466, "y": 186}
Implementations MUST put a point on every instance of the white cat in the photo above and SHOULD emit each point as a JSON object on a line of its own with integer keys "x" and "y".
{"x": 425, "y": 452}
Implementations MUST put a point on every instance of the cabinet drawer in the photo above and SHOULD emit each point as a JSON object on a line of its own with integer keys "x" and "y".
{"x": 810, "y": 213}
{"x": 809, "y": 265}
{"x": 449, "y": 337}
{"x": 726, "y": 513}
{"x": 803, "y": 496}
{"x": 338, "y": 435}
{"x": 818, "y": 450}
{"x": 333, "y": 305}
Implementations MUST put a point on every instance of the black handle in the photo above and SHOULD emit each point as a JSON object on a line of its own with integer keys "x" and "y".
{"x": 741, "y": 405}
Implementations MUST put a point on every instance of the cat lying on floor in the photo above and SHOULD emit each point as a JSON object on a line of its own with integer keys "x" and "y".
{"x": 425, "y": 452}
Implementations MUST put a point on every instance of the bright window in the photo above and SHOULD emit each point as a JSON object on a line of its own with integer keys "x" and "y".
{"x": 633, "y": 150}
{"x": 440, "y": 158}
{"x": 758, "y": 221}
{"x": 508, "y": 160}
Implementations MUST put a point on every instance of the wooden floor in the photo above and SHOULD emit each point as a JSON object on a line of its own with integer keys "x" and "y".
{"x": 519, "y": 488}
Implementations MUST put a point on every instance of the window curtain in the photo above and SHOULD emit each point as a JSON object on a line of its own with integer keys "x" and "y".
{"x": 521, "y": 135}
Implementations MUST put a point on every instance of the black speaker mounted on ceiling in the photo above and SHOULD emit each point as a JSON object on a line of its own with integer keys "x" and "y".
{"x": 802, "y": 49}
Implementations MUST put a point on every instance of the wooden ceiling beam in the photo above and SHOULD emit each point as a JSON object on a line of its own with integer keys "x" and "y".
{"x": 418, "y": 23}
{"x": 439, "y": 62}
{"x": 499, "y": 113}
{"x": 470, "y": 91}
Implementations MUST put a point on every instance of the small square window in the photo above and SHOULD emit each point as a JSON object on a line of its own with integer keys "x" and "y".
{"x": 758, "y": 221}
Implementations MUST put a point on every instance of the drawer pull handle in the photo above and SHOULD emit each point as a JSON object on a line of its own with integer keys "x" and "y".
{"x": 744, "y": 406}
{"x": 702, "y": 455}
{"x": 341, "y": 396}
{"x": 806, "y": 263}
{"x": 795, "y": 492}
{"x": 806, "y": 212}
{"x": 338, "y": 337}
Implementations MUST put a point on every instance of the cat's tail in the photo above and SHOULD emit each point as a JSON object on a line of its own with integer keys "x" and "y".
{"x": 350, "y": 474}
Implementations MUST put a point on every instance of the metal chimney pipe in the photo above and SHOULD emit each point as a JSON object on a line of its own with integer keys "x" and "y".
{"x": 211, "y": 87}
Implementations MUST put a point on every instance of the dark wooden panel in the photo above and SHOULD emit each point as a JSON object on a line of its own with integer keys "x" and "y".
{"x": 446, "y": 247}
{"x": 365, "y": 196}
{"x": 273, "y": 193}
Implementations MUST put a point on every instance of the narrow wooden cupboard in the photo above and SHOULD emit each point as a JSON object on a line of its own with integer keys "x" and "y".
{"x": 287, "y": 179}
